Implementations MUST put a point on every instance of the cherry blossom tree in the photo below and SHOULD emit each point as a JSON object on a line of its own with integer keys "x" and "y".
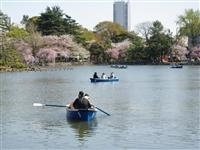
{"x": 179, "y": 52}
{"x": 113, "y": 53}
{"x": 179, "y": 49}
{"x": 118, "y": 50}
{"x": 195, "y": 53}
{"x": 62, "y": 41}
{"x": 26, "y": 50}
{"x": 46, "y": 55}
{"x": 50, "y": 48}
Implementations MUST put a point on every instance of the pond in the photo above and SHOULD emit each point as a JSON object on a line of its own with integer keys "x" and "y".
{"x": 151, "y": 107}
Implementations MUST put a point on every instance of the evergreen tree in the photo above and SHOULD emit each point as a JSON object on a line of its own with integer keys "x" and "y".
{"x": 54, "y": 22}
{"x": 159, "y": 42}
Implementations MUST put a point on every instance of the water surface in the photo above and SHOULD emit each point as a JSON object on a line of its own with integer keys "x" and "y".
{"x": 151, "y": 107}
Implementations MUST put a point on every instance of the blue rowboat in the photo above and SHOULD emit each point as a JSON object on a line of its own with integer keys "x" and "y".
{"x": 176, "y": 66}
{"x": 81, "y": 114}
{"x": 119, "y": 66}
{"x": 103, "y": 80}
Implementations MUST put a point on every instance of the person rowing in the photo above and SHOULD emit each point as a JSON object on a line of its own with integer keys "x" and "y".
{"x": 81, "y": 102}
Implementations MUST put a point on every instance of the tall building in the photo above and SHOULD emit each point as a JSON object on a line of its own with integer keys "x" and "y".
{"x": 121, "y": 13}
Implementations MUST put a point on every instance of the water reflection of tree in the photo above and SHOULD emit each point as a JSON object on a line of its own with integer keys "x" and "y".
{"x": 83, "y": 128}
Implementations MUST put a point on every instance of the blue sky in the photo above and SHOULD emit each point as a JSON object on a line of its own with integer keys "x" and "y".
{"x": 89, "y": 13}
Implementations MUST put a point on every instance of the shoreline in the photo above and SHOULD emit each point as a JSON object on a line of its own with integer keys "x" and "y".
{"x": 69, "y": 66}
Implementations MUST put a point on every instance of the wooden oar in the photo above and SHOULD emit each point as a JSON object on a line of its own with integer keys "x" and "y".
{"x": 39, "y": 104}
{"x": 102, "y": 111}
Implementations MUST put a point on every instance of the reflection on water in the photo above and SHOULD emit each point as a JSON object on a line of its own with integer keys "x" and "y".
{"x": 83, "y": 128}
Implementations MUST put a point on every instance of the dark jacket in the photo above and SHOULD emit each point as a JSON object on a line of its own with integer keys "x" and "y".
{"x": 81, "y": 103}
{"x": 95, "y": 75}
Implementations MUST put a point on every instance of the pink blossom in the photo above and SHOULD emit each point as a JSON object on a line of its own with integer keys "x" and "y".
{"x": 113, "y": 53}
{"x": 26, "y": 51}
{"x": 118, "y": 49}
{"x": 29, "y": 59}
{"x": 65, "y": 54}
{"x": 47, "y": 54}
{"x": 51, "y": 47}
{"x": 62, "y": 41}
{"x": 195, "y": 52}
{"x": 180, "y": 52}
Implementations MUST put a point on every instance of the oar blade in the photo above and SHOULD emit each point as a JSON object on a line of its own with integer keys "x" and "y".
{"x": 38, "y": 104}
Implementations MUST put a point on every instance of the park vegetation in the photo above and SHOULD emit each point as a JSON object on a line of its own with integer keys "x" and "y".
{"x": 54, "y": 37}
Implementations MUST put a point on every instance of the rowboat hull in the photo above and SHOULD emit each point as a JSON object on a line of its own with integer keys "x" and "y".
{"x": 178, "y": 66}
{"x": 81, "y": 114}
{"x": 104, "y": 80}
{"x": 119, "y": 66}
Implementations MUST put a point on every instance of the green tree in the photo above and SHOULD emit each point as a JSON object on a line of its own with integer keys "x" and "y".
{"x": 4, "y": 22}
{"x": 85, "y": 37}
{"x": 11, "y": 58}
{"x": 108, "y": 32}
{"x": 24, "y": 20}
{"x": 136, "y": 52}
{"x": 189, "y": 24}
{"x": 17, "y": 33}
{"x": 51, "y": 22}
{"x": 96, "y": 52}
{"x": 54, "y": 22}
{"x": 70, "y": 25}
{"x": 144, "y": 30}
{"x": 159, "y": 42}
{"x": 31, "y": 24}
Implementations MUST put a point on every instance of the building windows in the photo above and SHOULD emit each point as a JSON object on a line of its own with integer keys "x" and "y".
{"x": 121, "y": 13}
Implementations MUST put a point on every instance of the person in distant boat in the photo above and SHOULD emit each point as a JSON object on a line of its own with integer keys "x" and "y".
{"x": 103, "y": 76}
{"x": 81, "y": 102}
{"x": 95, "y": 75}
{"x": 112, "y": 75}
